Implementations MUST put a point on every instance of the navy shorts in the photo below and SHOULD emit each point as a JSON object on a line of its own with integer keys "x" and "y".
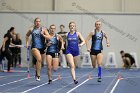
{"x": 54, "y": 55}
{"x": 95, "y": 52}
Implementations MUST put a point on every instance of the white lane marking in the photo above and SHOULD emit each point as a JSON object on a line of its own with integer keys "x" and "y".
{"x": 37, "y": 86}
{"x": 115, "y": 86}
{"x": 110, "y": 85}
{"x": 14, "y": 82}
{"x": 77, "y": 86}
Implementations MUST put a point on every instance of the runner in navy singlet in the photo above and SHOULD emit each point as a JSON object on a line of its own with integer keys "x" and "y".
{"x": 52, "y": 53}
{"x": 38, "y": 43}
{"x": 96, "y": 46}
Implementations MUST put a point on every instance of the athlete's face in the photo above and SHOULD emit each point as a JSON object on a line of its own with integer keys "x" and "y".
{"x": 98, "y": 25}
{"x": 12, "y": 32}
{"x": 61, "y": 28}
{"x": 72, "y": 27}
{"x": 37, "y": 22}
{"x": 52, "y": 29}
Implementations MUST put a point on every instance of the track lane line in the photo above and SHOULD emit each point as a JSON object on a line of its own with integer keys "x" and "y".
{"x": 77, "y": 86}
{"x": 37, "y": 86}
{"x": 14, "y": 82}
{"x": 115, "y": 86}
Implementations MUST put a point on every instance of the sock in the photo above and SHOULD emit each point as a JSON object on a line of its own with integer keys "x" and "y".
{"x": 99, "y": 71}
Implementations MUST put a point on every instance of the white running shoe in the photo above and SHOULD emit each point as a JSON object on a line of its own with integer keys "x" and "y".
{"x": 37, "y": 78}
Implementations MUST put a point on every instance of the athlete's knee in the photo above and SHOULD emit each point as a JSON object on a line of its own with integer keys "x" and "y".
{"x": 39, "y": 60}
{"x": 72, "y": 67}
{"x": 49, "y": 68}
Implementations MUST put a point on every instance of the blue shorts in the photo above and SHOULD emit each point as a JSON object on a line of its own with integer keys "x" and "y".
{"x": 74, "y": 53}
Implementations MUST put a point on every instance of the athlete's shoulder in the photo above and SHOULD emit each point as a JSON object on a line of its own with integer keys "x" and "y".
{"x": 31, "y": 28}
{"x": 92, "y": 32}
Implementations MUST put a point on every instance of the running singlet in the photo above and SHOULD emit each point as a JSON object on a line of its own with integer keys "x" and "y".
{"x": 97, "y": 41}
{"x": 72, "y": 47}
{"x": 53, "y": 48}
{"x": 38, "y": 41}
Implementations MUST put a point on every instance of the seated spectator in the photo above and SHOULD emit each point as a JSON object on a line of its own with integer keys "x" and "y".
{"x": 128, "y": 59}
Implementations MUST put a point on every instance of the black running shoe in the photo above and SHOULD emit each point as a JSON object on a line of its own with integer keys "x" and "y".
{"x": 75, "y": 81}
{"x": 99, "y": 79}
{"x": 50, "y": 81}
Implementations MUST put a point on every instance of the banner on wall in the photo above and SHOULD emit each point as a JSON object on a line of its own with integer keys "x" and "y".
{"x": 86, "y": 60}
{"x": 111, "y": 60}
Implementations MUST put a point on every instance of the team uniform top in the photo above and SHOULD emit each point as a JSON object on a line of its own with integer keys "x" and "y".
{"x": 53, "y": 48}
{"x": 97, "y": 41}
{"x": 72, "y": 47}
{"x": 38, "y": 41}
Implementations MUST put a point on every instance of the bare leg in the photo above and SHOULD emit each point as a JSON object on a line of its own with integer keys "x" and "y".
{"x": 37, "y": 55}
{"x": 72, "y": 65}
{"x": 55, "y": 63}
{"x": 93, "y": 60}
{"x": 49, "y": 66}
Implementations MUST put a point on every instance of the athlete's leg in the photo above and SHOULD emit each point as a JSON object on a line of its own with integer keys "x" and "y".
{"x": 99, "y": 62}
{"x": 8, "y": 56}
{"x": 93, "y": 60}
{"x": 70, "y": 59}
{"x": 76, "y": 61}
{"x": 55, "y": 63}
{"x": 49, "y": 66}
{"x": 43, "y": 57}
{"x": 128, "y": 62}
{"x": 72, "y": 65}
{"x": 19, "y": 59}
{"x": 37, "y": 55}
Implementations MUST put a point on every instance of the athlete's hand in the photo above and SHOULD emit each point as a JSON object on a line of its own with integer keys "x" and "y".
{"x": 108, "y": 45}
{"x": 42, "y": 33}
{"x": 88, "y": 50}
{"x": 49, "y": 43}
{"x": 27, "y": 46}
{"x": 3, "y": 49}
{"x": 80, "y": 45}
{"x": 62, "y": 48}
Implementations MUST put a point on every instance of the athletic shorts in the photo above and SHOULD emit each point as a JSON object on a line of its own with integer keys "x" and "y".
{"x": 41, "y": 51}
{"x": 54, "y": 55}
{"x": 74, "y": 53}
{"x": 95, "y": 52}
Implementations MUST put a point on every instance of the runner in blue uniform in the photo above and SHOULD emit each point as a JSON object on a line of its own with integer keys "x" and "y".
{"x": 38, "y": 43}
{"x": 96, "y": 46}
{"x": 52, "y": 54}
{"x": 72, "y": 50}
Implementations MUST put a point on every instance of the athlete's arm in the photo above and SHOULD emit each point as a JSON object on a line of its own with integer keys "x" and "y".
{"x": 27, "y": 36}
{"x": 3, "y": 43}
{"x": 12, "y": 44}
{"x": 45, "y": 33}
{"x": 62, "y": 42}
{"x": 81, "y": 38}
{"x": 107, "y": 41}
